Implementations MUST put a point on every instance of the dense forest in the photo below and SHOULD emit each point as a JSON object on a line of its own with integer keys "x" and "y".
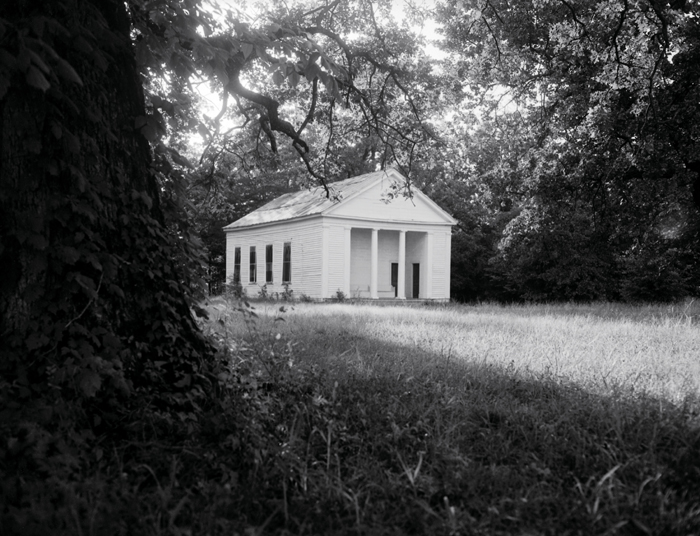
{"x": 561, "y": 134}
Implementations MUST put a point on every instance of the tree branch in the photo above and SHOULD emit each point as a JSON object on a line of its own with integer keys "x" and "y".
{"x": 576, "y": 19}
{"x": 305, "y": 158}
{"x": 272, "y": 117}
{"x": 312, "y": 109}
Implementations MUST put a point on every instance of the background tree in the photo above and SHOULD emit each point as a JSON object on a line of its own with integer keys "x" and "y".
{"x": 600, "y": 85}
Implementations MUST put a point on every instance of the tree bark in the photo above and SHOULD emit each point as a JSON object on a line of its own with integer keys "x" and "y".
{"x": 91, "y": 295}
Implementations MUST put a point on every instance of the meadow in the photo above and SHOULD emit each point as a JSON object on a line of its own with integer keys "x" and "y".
{"x": 604, "y": 348}
{"x": 359, "y": 419}
{"x": 447, "y": 419}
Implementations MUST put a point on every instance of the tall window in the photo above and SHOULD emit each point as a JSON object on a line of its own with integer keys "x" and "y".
{"x": 268, "y": 263}
{"x": 287, "y": 263}
{"x": 253, "y": 265}
{"x": 237, "y": 265}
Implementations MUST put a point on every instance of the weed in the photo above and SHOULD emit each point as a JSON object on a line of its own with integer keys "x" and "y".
{"x": 339, "y": 296}
{"x": 444, "y": 419}
{"x": 234, "y": 289}
{"x": 288, "y": 294}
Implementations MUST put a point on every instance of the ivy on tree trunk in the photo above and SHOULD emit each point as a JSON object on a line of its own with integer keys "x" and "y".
{"x": 93, "y": 305}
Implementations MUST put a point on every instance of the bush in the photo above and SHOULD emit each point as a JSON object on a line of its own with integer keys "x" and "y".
{"x": 543, "y": 258}
{"x": 653, "y": 277}
{"x": 234, "y": 289}
{"x": 340, "y": 296}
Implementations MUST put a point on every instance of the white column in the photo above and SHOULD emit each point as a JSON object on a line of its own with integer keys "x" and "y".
{"x": 401, "y": 280}
{"x": 448, "y": 255}
{"x": 429, "y": 246}
{"x": 373, "y": 264}
{"x": 348, "y": 261}
{"x": 324, "y": 261}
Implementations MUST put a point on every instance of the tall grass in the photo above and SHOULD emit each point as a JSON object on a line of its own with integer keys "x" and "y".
{"x": 479, "y": 420}
{"x": 603, "y": 348}
{"x": 353, "y": 419}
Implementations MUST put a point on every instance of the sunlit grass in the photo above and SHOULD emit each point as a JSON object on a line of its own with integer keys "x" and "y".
{"x": 600, "y": 347}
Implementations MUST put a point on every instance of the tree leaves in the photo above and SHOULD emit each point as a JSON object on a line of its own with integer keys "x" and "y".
{"x": 594, "y": 89}
{"x": 247, "y": 49}
{"x": 277, "y": 58}
{"x": 35, "y": 78}
{"x": 66, "y": 71}
{"x": 89, "y": 382}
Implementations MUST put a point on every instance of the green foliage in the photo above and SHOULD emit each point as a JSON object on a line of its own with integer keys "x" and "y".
{"x": 581, "y": 111}
{"x": 263, "y": 294}
{"x": 95, "y": 312}
{"x": 653, "y": 276}
{"x": 235, "y": 290}
{"x": 371, "y": 444}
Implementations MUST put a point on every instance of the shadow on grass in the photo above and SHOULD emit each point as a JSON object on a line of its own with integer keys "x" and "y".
{"x": 372, "y": 437}
{"x": 429, "y": 444}
{"x": 363, "y": 436}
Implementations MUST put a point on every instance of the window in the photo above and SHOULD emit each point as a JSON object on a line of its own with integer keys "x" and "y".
{"x": 268, "y": 263}
{"x": 237, "y": 265}
{"x": 287, "y": 263}
{"x": 253, "y": 265}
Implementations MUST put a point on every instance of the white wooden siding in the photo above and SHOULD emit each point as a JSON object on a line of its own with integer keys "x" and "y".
{"x": 430, "y": 251}
{"x": 416, "y": 253}
{"x": 360, "y": 263}
{"x": 446, "y": 262}
{"x": 388, "y": 253}
{"x": 440, "y": 271}
{"x": 347, "y": 243}
{"x": 306, "y": 240}
{"x": 336, "y": 259}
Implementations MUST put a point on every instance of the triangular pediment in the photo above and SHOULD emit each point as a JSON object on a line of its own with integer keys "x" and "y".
{"x": 374, "y": 196}
{"x": 383, "y": 201}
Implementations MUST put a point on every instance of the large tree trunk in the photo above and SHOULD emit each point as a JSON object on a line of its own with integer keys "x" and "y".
{"x": 92, "y": 306}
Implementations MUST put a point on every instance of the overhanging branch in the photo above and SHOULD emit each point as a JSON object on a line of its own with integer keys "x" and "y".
{"x": 271, "y": 120}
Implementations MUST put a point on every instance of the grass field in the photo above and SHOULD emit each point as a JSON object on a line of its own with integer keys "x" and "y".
{"x": 557, "y": 419}
{"x": 604, "y": 348}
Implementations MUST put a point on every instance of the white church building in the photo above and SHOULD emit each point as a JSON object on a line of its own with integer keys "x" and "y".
{"x": 364, "y": 241}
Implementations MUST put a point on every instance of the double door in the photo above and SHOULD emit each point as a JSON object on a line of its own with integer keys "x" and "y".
{"x": 415, "y": 279}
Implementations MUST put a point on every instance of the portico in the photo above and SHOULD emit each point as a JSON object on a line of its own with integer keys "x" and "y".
{"x": 387, "y": 262}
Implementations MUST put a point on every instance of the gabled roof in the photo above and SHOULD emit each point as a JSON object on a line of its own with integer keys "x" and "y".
{"x": 314, "y": 201}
